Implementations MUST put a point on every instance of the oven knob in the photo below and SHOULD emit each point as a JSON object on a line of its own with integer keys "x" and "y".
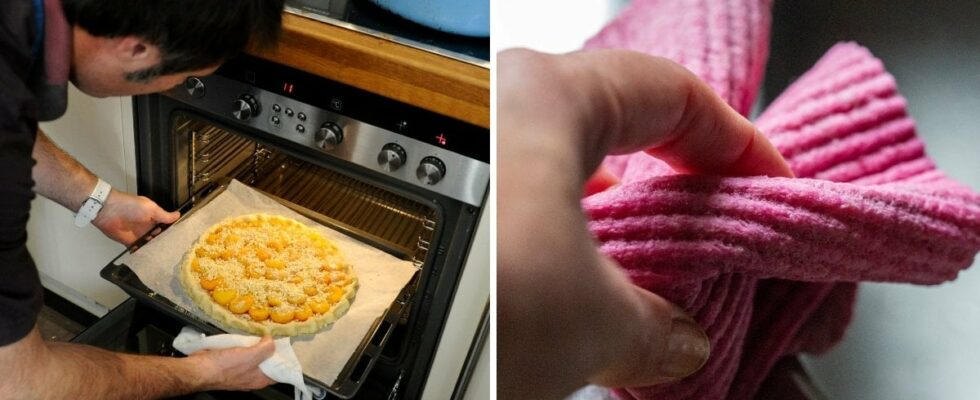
{"x": 431, "y": 170}
{"x": 392, "y": 157}
{"x": 245, "y": 108}
{"x": 329, "y": 136}
{"x": 195, "y": 87}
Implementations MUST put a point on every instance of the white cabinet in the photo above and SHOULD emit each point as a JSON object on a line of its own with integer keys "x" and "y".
{"x": 479, "y": 388}
{"x": 99, "y": 133}
{"x": 463, "y": 324}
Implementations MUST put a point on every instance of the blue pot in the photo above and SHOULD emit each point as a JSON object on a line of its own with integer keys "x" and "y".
{"x": 462, "y": 17}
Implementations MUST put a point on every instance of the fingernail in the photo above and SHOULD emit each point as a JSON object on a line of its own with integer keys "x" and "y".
{"x": 688, "y": 348}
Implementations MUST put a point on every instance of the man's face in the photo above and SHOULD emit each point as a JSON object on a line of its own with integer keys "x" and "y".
{"x": 100, "y": 66}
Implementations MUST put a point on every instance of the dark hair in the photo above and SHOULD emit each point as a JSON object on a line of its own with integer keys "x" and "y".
{"x": 191, "y": 34}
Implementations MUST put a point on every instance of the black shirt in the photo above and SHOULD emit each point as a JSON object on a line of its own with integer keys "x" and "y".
{"x": 20, "y": 286}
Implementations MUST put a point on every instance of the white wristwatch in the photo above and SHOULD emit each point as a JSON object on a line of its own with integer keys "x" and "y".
{"x": 93, "y": 204}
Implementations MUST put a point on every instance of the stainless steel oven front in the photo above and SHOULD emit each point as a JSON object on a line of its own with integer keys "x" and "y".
{"x": 409, "y": 181}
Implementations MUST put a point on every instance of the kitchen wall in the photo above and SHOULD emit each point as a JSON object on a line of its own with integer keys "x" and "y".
{"x": 549, "y": 25}
{"x": 99, "y": 133}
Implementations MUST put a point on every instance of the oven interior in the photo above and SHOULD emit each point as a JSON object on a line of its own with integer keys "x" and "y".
{"x": 388, "y": 221}
{"x": 400, "y": 226}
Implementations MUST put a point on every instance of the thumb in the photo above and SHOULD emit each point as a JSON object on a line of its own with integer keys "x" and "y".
{"x": 658, "y": 342}
{"x": 264, "y": 348}
{"x": 162, "y": 216}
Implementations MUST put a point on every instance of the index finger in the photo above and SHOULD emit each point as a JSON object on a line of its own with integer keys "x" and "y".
{"x": 638, "y": 102}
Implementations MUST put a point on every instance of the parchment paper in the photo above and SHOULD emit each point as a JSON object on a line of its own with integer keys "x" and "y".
{"x": 323, "y": 355}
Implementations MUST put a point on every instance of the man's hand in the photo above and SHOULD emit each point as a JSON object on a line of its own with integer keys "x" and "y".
{"x": 56, "y": 370}
{"x": 59, "y": 177}
{"x": 236, "y": 368}
{"x": 125, "y": 217}
{"x": 567, "y": 315}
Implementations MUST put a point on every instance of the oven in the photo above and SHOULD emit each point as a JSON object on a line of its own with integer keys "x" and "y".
{"x": 405, "y": 180}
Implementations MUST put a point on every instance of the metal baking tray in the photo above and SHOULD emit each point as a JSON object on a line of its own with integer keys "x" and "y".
{"x": 358, "y": 366}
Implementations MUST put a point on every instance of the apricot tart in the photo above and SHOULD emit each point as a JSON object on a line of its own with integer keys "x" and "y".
{"x": 267, "y": 274}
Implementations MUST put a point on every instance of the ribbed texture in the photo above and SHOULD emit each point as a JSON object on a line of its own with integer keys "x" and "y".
{"x": 725, "y": 42}
{"x": 693, "y": 227}
{"x": 867, "y": 204}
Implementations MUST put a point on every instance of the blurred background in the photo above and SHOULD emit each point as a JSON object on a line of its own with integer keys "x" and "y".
{"x": 906, "y": 342}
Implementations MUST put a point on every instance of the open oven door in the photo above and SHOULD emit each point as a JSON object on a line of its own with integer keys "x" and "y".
{"x": 128, "y": 327}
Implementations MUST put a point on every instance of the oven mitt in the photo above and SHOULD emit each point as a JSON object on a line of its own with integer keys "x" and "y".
{"x": 282, "y": 367}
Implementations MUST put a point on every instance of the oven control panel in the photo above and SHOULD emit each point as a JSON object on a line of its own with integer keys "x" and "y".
{"x": 333, "y": 133}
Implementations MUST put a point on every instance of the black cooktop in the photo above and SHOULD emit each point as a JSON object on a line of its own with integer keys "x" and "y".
{"x": 364, "y": 16}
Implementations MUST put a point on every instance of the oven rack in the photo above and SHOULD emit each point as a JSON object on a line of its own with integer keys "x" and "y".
{"x": 404, "y": 227}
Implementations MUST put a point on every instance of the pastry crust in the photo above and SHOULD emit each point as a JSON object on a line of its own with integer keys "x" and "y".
{"x": 268, "y": 274}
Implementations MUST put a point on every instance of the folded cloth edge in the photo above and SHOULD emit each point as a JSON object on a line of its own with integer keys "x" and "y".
{"x": 282, "y": 366}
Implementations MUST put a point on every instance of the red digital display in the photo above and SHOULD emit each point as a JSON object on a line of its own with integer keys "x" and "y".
{"x": 287, "y": 88}
{"x": 441, "y": 139}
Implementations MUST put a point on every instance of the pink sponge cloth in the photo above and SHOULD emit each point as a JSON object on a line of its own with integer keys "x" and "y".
{"x": 691, "y": 228}
{"x": 759, "y": 262}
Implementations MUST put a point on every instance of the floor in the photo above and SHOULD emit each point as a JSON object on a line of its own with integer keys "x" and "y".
{"x": 56, "y": 327}
{"x": 61, "y": 320}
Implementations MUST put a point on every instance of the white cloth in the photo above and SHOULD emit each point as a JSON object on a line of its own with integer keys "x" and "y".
{"x": 282, "y": 366}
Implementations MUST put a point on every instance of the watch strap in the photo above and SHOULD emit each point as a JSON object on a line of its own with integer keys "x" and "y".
{"x": 90, "y": 209}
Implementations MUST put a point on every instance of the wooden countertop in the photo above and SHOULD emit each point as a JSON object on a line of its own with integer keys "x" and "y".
{"x": 412, "y": 76}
